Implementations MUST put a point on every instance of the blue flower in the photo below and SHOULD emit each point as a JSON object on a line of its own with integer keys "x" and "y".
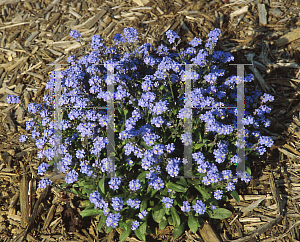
{"x": 23, "y": 138}
{"x": 167, "y": 201}
{"x": 12, "y": 99}
{"x": 75, "y": 34}
{"x": 143, "y": 214}
{"x": 213, "y": 207}
{"x": 44, "y": 183}
{"x": 130, "y": 34}
{"x": 186, "y": 206}
{"x": 114, "y": 183}
{"x": 199, "y": 207}
{"x": 267, "y": 97}
{"x": 195, "y": 42}
{"x": 134, "y": 185}
{"x": 218, "y": 194}
{"x": 113, "y": 219}
{"x": 171, "y": 35}
{"x": 71, "y": 176}
{"x": 117, "y": 203}
{"x": 135, "y": 225}
{"x": 134, "y": 203}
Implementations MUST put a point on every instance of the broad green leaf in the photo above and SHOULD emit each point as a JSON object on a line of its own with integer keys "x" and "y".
{"x": 108, "y": 229}
{"x": 158, "y": 215}
{"x": 140, "y": 234}
{"x": 175, "y": 217}
{"x": 125, "y": 234}
{"x": 101, "y": 185}
{"x": 198, "y": 146}
{"x": 192, "y": 222}
{"x": 157, "y": 207}
{"x": 182, "y": 182}
{"x": 170, "y": 221}
{"x": 221, "y": 213}
{"x": 176, "y": 187}
{"x": 178, "y": 231}
{"x": 194, "y": 181}
{"x": 143, "y": 227}
{"x": 125, "y": 112}
{"x": 101, "y": 222}
{"x": 89, "y": 212}
{"x": 75, "y": 192}
{"x": 203, "y": 192}
{"x": 248, "y": 170}
{"x": 235, "y": 195}
{"x": 123, "y": 225}
{"x": 144, "y": 204}
{"x": 163, "y": 224}
{"x": 142, "y": 175}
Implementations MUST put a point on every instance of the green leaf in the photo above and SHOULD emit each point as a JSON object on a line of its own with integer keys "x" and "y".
{"x": 221, "y": 213}
{"x": 125, "y": 234}
{"x": 101, "y": 222}
{"x": 101, "y": 185}
{"x": 144, "y": 204}
{"x": 158, "y": 215}
{"x": 192, "y": 222}
{"x": 248, "y": 170}
{"x": 175, "y": 216}
{"x": 176, "y": 187}
{"x": 89, "y": 212}
{"x": 170, "y": 221}
{"x": 203, "y": 192}
{"x": 143, "y": 228}
{"x": 182, "y": 182}
{"x": 138, "y": 232}
{"x": 123, "y": 225}
{"x": 163, "y": 224}
{"x": 178, "y": 231}
{"x": 198, "y": 146}
{"x": 235, "y": 195}
{"x": 125, "y": 112}
{"x": 142, "y": 175}
{"x": 108, "y": 229}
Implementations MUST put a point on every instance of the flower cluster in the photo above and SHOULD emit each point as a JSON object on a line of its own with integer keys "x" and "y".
{"x": 150, "y": 109}
{"x": 167, "y": 201}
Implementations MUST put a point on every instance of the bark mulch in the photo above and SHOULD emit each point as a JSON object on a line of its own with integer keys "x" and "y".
{"x": 264, "y": 33}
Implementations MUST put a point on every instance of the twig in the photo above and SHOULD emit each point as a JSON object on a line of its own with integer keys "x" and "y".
{"x": 22, "y": 235}
{"x": 286, "y": 233}
{"x": 259, "y": 231}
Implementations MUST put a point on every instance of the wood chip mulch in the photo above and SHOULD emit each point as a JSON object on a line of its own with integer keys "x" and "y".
{"x": 265, "y": 33}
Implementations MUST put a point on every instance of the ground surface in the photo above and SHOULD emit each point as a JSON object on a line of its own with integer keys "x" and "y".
{"x": 36, "y": 33}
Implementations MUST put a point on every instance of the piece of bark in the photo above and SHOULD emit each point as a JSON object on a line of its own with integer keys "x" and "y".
{"x": 208, "y": 234}
{"x": 262, "y": 14}
{"x": 24, "y": 200}
{"x": 288, "y": 38}
{"x": 91, "y": 21}
{"x": 141, "y": 3}
{"x": 249, "y": 208}
{"x": 49, "y": 217}
{"x": 3, "y": 2}
{"x": 22, "y": 235}
{"x": 56, "y": 16}
{"x": 260, "y": 230}
{"x": 275, "y": 193}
